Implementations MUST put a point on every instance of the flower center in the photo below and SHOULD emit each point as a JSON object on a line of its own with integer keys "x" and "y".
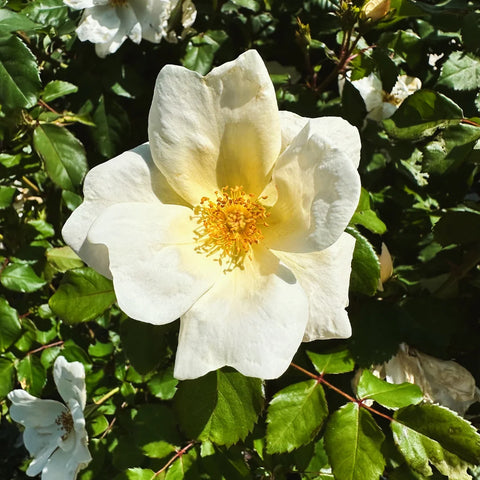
{"x": 65, "y": 422}
{"x": 229, "y": 226}
{"x": 117, "y": 3}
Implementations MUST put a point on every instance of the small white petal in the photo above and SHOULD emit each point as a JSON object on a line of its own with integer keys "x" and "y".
{"x": 98, "y": 24}
{"x": 33, "y": 412}
{"x": 153, "y": 17}
{"x": 251, "y": 319}
{"x": 40, "y": 444}
{"x": 325, "y": 277}
{"x": 61, "y": 466}
{"x": 70, "y": 380}
{"x": 157, "y": 274}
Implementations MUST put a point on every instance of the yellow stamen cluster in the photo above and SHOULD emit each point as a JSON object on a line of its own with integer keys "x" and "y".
{"x": 229, "y": 226}
{"x": 65, "y": 421}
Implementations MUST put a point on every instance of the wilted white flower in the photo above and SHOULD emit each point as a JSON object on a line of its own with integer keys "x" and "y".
{"x": 55, "y": 433}
{"x": 231, "y": 219}
{"x": 381, "y": 104}
{"x": 442, "y": 381}
{"x": 108, "y": 23}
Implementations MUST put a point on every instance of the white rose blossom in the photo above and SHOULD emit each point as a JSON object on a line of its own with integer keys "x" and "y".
{"x": 232, "y": 219}
{"x": 442, "y": 381}
{"x": 380, "y": 104}
{"x": 55, "y": 433}
{"x": 108, "y": 23}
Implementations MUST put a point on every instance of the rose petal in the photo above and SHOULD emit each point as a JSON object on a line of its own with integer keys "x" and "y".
{"x": 251, "y": 319}
{"x": 153, "y": 17}
{"x": 130, "y": 177}
{"x": 318, "y": 186}
{"x": 33, "y": 412}
{"x": 61, "y": 466}
{"x": 157, "y": 274}
{"x": 325, "y": 278}
{"x": 70, "y": 380}
{"x": 206, "y": 132}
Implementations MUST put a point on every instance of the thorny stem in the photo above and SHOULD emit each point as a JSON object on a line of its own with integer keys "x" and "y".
{"x": 178, "y": 454}
{"x": 320, "y": 379}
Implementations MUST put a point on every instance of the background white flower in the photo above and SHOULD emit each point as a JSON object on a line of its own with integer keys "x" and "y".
{"x": 442, "y": 381}
{"x": 108, "y": 23}
{"x": 381, "y": 104}
{"x": 55, "y": 433}
{"x": 231, "y": 219}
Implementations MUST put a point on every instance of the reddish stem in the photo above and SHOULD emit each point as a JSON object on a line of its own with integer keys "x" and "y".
{"x": 177, "y": 455}
{"x": 321, "y": 379}
{"x": 44, "y": 347}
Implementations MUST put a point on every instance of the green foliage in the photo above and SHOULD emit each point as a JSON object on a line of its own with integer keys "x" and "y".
{"x": 222, "y": 406}
{"x": 295, "y": 416}
{"x": 352, "y": 442}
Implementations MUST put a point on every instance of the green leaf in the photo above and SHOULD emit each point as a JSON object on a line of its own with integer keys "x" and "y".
{"x": 449, "y": 148}
{"x": 353, "y": 105}
{"x": 7, "y": 195}
{"x": 458, "y": 227}
{"x": 7, "y": 369}
{"x": 335, "y": 362}
{"x": 201, "y": 50}
{"x": 83, "y": 295}
{"x": 295, "y": 416}
{"x": 365, "y": 265}
{"x": 366, "y": 217}
{"x": 184, "y": 467}
{"x": 63, "y": 155}
{"x": 10, "y": 327}
{"x": 421, "y": 114}
{"x": 12, "y": 22}
{"x": 163, "y": 385}
{"x": 221, "y": 406}
{"x": 111, "y": 123}
{"x": 353, "y": 441}
{"x": 461, "y": 71}
{"x": 144, "y": 344}
{"x": 136, "y": 474}
{"x": 63, "y": 258}
{"x": 433, "y": 434}
{"x": 47, "y": 12}
{"x": 19, "y": 75}
{"x": 154, "y": 429}
{"x": 31, "y": 375}
{"x": 21, "y": 277}
{"x": 387, "y": 394}
{"x": 56, "y": 89}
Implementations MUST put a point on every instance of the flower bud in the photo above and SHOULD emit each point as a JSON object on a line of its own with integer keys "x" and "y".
{"x": 375, "y": 10}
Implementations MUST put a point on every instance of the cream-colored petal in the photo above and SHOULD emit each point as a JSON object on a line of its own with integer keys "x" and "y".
{"x": 218, "y": 130}
{"x": 81, "y": 4}
{"x": 157, "y": 274}
{"x": 251, "y": 319}
{"x": 130, "y": 177}
{"x": 318, "y": 187}
{"x": 325, "y": 277}
{"x": 70, "y": 380}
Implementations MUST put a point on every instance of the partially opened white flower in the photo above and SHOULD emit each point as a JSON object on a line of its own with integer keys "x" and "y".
{"x": 232, "y": 219}
{"x": 55, "y": 433}
{"x": 381, "y": 104}
{"x": 108, "y": 23}
{"x": 442, "y": 381}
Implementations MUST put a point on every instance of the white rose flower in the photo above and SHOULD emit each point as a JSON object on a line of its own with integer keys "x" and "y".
{"x": 380, "y": 104}
{"x": 55, "y": 433}
{"x": 108, "y": 23}
{"x": 442, "y": 381}
{"x": 231, "y": 219}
